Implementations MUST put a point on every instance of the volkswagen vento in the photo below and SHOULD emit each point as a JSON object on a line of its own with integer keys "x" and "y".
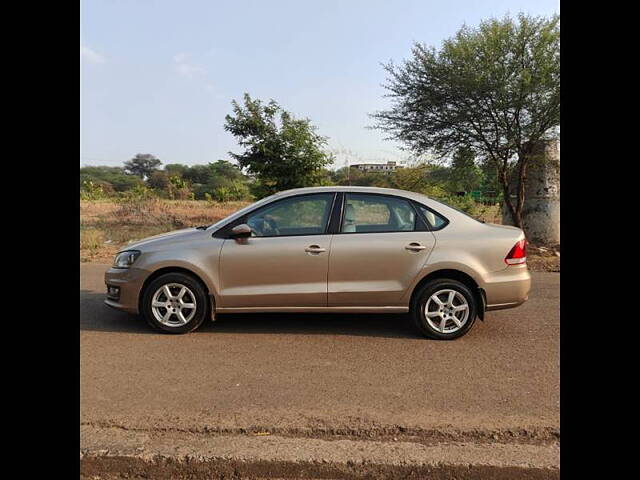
{"x": 327, "y": 249}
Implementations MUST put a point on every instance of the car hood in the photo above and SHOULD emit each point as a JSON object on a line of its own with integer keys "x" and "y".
{"x": 163, "y": 239}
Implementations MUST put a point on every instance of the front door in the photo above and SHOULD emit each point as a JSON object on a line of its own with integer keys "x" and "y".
{"x": 284, "y": 263}
{"x": 378, "y": 252}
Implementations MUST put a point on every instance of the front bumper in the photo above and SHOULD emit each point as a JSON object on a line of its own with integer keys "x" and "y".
{"x": 128, "y": 282}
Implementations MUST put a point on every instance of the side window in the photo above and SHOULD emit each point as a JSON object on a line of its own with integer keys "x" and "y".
{"x": 303, "y": 215}
{"x": 435, "y": 220}
{"x": 366, "y": 213}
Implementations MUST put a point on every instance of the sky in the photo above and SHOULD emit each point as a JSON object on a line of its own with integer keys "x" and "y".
{"x": 159, "y": 76}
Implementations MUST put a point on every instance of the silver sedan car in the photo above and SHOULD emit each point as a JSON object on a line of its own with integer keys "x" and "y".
{"x": 327, "y": 249}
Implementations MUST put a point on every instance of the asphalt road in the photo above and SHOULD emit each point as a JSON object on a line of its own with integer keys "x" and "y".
{"x": 314, "y": 375}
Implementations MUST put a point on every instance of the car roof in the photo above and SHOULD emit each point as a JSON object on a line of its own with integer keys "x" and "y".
{"x": 354, "y": 189}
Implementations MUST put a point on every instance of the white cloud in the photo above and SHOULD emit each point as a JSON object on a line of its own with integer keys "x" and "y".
{"x": 186, "y": 68}
{"x": 90, "y": 55}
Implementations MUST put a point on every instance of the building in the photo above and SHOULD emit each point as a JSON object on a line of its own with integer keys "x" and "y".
{"x": 385, "y": 168}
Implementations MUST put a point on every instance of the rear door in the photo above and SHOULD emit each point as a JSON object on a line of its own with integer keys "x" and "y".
{"x": 381, "y": 246}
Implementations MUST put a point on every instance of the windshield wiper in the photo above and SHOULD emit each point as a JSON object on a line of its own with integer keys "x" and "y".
{"x": 202, "y": 227}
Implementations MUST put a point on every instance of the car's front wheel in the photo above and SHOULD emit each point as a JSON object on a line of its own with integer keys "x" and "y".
{"x": 175, "y": 303}
{"x": 444, "y": 309}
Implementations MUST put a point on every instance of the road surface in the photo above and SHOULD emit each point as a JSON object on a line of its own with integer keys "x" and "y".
{"x": 324, "y": 377}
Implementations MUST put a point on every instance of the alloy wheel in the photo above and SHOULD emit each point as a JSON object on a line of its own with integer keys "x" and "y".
{"x": 173, "y": 304}
{"x": 447, "y": 311}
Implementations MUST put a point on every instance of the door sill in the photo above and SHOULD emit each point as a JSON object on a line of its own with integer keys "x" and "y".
{"x": 313, "y": 309}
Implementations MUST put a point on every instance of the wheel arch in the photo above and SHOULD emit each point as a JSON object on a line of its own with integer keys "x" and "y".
{"x": 460, "y": 276}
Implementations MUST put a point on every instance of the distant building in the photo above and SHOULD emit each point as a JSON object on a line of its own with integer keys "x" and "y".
{"x": 385, "y": 168}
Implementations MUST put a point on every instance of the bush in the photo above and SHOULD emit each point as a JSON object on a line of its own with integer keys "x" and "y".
{"x": 234, "y": 191}
{"x": 179, "y": 189}
{"x": 464, "y": 203}
{"x": 469, "y": 206}
{"x": 114, "y": 176}
{"x": 137, "y": 193}
{"x": 92, "y": 190}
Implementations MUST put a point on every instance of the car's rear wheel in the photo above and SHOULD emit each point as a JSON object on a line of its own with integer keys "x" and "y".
{"x": 444, "y": 309}
{"x": 175, "y": 303}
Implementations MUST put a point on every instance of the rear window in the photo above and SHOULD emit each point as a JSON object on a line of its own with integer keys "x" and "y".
{"x": 435, "y": 220}
{"x": 369, "y": 213}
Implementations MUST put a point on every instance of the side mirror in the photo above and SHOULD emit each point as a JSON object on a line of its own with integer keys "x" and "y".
{"x": 241, "y": 231}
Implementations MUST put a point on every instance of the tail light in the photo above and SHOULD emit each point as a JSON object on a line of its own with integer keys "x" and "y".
{"x": 518, "y": 254}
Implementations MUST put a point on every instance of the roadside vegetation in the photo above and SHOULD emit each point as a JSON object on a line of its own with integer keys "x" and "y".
{"x": 468, "y": 115}
{"x": 108, "y": 225}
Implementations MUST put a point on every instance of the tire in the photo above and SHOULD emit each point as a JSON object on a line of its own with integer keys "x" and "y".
{"x": 437, "y": 313}
{"x": 193, "y": 293}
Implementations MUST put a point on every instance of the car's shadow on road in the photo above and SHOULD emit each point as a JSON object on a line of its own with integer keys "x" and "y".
{"x": 96, "y": 316}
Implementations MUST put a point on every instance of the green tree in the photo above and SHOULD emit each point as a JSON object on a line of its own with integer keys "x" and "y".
{"x": 490, "y": 180}
{"x": 340, "y": 176}
{"x": 197, "y": 174}
{"x": 495, "y": 88}
{"x": 112, "y": 178}
{"x": 465, "y": 175}
{"x": 227, "y": 182}
{"x": 142, "y": 165}
{"x": 174, "y": 169}
{"x": 419, "y": 178}
{"x": 159, "y": 180}
{"x": 225, "y": 169}
{"x": 280, "y": 151}
{"x": 222, "y": 173}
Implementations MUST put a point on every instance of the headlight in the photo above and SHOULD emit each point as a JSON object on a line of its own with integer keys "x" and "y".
{"x": 125, "y": 259}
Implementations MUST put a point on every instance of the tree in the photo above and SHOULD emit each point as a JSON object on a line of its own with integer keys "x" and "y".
{"x": 176, "y": 169}
{"x": 222, "y": 172}
{"x": 159, "y": 180}
{"x": 495, "y": 89}
{"x": 113, "y": 176}
{"x": 280, "y": 151}
{"x": 142, "y": 165}
{"x": 197, "y": 174}
{"x": 226, "y": 182}
{"x": 465, "y": 175}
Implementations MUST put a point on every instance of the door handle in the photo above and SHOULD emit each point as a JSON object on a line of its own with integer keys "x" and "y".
{"x": 415, "y": 247}
{"x": 314, "y": 249}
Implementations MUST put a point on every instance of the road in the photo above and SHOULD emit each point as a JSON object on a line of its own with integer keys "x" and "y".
{"x": 325, "y": 376}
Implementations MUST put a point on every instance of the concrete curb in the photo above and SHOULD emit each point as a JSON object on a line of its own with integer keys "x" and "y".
{"x": 112, "y": 452}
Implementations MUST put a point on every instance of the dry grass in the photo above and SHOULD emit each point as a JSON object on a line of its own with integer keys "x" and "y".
{"x": 543, "y": 258}
{"x": 107, "y": 226}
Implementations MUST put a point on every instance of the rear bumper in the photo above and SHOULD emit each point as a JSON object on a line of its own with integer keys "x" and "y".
{"x": 507, "y": 288}
{"x": 129, "y": 282}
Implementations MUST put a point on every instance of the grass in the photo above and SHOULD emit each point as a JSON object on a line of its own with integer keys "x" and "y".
{"x": 107, "y": 226}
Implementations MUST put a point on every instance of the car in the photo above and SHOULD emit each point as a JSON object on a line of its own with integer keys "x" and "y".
{"x": 339, "y": 249}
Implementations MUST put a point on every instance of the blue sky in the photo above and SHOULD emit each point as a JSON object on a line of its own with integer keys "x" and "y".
{"x": 159, "y": 76}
